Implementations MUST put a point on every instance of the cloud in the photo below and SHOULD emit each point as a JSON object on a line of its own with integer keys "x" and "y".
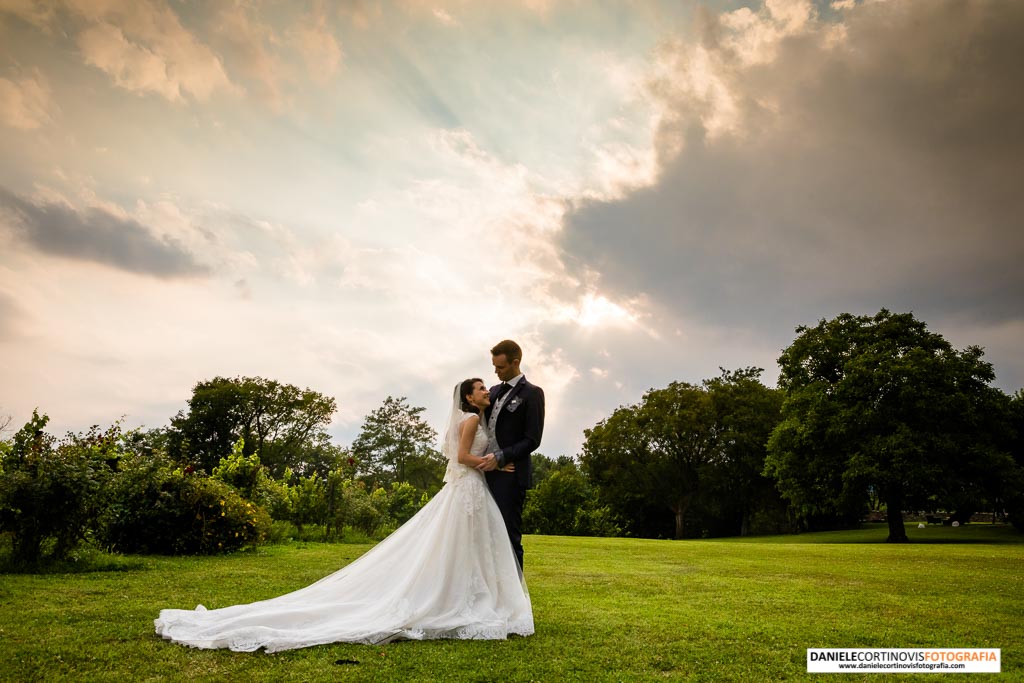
{"x": 144, "y": 47}
{"x": 810, "y": 167}
{"x": 277, "y": 62}
{"x": 133, "y": 67}
{"x": 96, "y": 235}
{"x": 10, "y": 314}
{"x": 39, "y": 14}
{"x": 251, "y": 47}
{"x": 26, "y": 103}
{"x": 181, "y": 53}
{"x": 318, "y": 46}
{"x": 243, "y": 289}
{"x": 444, "y": 18}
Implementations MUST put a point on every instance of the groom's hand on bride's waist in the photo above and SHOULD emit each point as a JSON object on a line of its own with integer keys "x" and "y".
{"x": 489, "y": 463}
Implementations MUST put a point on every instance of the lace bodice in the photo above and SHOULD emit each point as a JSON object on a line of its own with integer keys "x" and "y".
{"x": 457, "y": 470}
{"x": 479, "y": 441}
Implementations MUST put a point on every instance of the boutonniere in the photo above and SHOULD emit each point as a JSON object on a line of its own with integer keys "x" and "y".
{"x": 514, "y": 403}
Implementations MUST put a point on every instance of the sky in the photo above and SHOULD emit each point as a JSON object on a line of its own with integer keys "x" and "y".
{"x": 362, "y": 198}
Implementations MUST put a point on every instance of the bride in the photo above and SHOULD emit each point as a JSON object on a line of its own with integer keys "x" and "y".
{"x": 449, "y": 572}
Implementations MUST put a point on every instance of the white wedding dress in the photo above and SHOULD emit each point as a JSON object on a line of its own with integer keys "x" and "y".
{"x": 449, "y": 572}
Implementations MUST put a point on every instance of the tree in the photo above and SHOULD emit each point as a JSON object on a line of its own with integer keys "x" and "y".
{"x": 542, "y": 466}
{"x": 395, "y": 445}
{"x": 694, "y": 450}
{"x": 739, "y": 498}
{"x": 281, "y": 423}
{"x": 1012, "y": 493}
{"x": 878, "y": 402}
{"x": 656, "y": 451}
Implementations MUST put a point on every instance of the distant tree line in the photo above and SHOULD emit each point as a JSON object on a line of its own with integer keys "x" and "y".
{"x": 248, "y": 459}
{"x": 871, "y": 412}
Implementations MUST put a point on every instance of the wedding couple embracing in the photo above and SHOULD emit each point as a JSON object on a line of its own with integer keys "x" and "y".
{"x": 452, "y": 571}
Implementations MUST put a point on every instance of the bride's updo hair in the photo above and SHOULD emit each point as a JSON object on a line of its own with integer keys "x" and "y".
{"x": 465, "y": 389}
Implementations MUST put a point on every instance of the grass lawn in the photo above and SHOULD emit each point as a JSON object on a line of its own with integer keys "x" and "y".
{"x": 605, "y": 609}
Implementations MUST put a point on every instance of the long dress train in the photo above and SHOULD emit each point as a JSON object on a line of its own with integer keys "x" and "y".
{"x": 449, "y": 572}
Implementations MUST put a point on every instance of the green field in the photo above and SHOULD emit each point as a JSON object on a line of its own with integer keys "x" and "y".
{"x": 605, "y": 609}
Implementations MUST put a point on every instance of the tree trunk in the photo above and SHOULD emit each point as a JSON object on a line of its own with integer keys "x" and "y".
{"x": 680, "y": 510}
{"x": 894, "y": 513}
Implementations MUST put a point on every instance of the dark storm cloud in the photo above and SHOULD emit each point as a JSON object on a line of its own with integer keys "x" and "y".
{"x": 96, "y": 235}
{"x": 884, "y": 172}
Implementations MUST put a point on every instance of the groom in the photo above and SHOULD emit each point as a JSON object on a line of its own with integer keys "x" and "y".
{"x": 515, "y": 421}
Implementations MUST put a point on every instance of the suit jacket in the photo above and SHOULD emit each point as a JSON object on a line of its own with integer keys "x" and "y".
{"x": 520, "y": 427}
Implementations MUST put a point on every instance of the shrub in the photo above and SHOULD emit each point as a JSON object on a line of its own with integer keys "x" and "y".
{"x": 157, "y": 508}
{"x": 595, "y": 521}
{"x": 51, "y": 494}
{"x": 239, "y": 471}
{"x": 274, "y": 497}
{"x": 281, "y": 531}
{"x": 565, "y": 504}
{"x": 306, "y": 499}
{"x": 351, "y": 506}
{"x": 253, "y": 481}
{"x": 404, "y": 501}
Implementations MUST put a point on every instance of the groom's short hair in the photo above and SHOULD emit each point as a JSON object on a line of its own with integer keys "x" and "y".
{"x": 509, "y": 349}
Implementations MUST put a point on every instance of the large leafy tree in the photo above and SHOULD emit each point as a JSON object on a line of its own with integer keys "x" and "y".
{"x": 395, "y": 444}
{"x": 738, "y": 494}
{"x": 655, "y": 452}
{"x": 283, "y": 424}
{"x": 1012, "y": 493}
{"x": 694, "y": 451}
{"x": 880, "y": 404}
{"x": 542, "y": 466}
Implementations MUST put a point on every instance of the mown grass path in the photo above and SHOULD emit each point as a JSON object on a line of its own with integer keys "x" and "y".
{"x": 606, "y": 610}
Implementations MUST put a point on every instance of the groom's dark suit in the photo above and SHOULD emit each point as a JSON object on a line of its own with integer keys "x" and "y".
{"x": 517, "y": 431}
